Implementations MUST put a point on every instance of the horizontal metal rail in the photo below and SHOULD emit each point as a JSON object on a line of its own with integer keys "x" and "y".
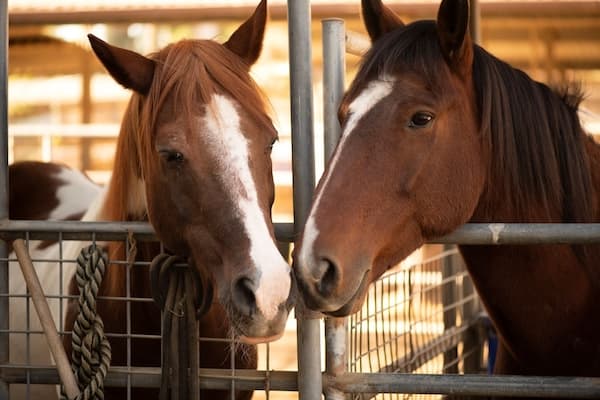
{"x": 151, "y": 377}
{"x": 499, "y": 233}
{"x": 493, "y": 233}
{"x": 469, "y": 385}
{"x": 88, "y": 230}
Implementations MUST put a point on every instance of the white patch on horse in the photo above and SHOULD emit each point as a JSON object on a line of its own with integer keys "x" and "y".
{"x": 74, "y": 195}
{"x": 55, "y": 278}
{"x": 375, "y": 91}
{"x": 231, "y": 149}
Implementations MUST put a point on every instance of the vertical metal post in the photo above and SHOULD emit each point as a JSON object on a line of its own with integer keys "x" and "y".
{"x": 449, "y": 302}
{"x": 472, "y": 341}
{"x": 334, "y": 68}
{"x": 4, "y": 316}
{"x": 303, "y": 167}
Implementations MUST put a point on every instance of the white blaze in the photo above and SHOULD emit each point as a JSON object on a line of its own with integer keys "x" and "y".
{"x": 362, "y": 104}
{"x": 231, "y": 149}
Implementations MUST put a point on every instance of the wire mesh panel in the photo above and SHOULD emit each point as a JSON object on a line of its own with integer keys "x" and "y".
{"x": 415, "y": 319}
{"x": 136, "y": 352}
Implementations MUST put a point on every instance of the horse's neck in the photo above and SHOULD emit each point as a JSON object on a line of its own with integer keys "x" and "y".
{"x": 540, "y": 296}
{"x": 539, "y": 301}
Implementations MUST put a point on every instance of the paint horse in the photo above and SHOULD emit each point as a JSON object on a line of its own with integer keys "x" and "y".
{"x": 48, "y": 191}
{"x": 40, "y": 191}
{"x": 437, "y": 132}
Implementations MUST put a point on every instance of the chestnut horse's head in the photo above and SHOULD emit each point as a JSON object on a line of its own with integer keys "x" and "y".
{"x": 409, "y": 165}
{"x": 194, "y": 157}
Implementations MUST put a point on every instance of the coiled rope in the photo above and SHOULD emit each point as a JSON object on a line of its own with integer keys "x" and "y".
{"x": 91, "y": 353}
{"x": 182, "y": 297}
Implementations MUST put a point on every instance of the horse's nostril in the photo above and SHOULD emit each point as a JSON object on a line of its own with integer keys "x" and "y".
{"x": 243, "y": 296}
{"x": 329, "y": 277}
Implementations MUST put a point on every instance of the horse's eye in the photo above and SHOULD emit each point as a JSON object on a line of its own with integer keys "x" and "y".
{"x": 420, "y": 119}
{"x": 172, "y": 156}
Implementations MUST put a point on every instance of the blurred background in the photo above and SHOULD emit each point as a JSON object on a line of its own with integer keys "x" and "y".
{"x": 64, "y": 107}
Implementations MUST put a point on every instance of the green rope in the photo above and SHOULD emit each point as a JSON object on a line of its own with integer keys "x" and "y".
{"x": 91, "y": 353}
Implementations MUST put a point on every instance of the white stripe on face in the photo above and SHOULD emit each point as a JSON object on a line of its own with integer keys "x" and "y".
{"x": 230, "y": 147}
{"x": 375, "y": 91}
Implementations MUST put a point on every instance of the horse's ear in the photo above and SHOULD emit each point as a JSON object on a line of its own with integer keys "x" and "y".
{"x": 379, "y": 19}
{"x": 127, "y": 67}
{"x": 247, "y": 40}
{"x": 453, "y": 33}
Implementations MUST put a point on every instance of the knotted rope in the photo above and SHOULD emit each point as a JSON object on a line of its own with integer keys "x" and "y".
{"x": 91, "y": 353}
{"x": 182, "y": 297}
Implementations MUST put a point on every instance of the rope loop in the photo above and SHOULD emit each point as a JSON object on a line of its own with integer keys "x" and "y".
{"x": 91, "y": 353}
{"x": 163, "y": 267}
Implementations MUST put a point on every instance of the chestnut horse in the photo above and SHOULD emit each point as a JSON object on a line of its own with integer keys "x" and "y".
{"x": 193, "y": 158}
{"x": 436, "y": 133}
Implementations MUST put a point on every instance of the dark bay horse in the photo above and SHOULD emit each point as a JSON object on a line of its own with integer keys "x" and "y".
{"x": 437, "y": 132}
{"x": 194, "y": 159}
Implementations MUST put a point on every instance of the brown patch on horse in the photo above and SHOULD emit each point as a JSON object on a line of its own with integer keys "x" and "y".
{"x": 33, "y": 187}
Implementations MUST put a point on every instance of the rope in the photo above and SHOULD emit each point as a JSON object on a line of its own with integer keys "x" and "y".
{"x": 91, "y": 353}
{"x": 182, "y": 297}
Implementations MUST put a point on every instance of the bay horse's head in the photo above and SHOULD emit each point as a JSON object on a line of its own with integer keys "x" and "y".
{"x": 408, "y": 166}
{"x": 194, "y": 157}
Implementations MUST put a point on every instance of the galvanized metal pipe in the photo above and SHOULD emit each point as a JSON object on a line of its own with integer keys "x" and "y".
{"x": 150, "y": 377}
{"x": 499, "y": 233}
{"x": 89, "y": 230}
{"x": 469, "y": 385}
{"x": 301, "y": 103}
{"x": 334, "y": 68}
{"x": 334, "y": 71}
{"x": 303, "y": 168}
{"x": 4, "y": 287}
{"x": 493, "y": 233}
